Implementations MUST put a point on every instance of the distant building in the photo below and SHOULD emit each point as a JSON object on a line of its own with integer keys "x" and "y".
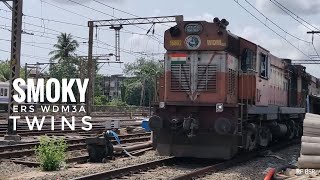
{"x": 111, "y": 86}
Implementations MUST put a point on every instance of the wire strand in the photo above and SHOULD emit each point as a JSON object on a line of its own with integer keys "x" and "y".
{"x": 272, "y": 29}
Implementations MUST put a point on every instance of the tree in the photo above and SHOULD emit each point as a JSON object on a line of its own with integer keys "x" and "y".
{"x": 5, "y": 71}
{"x": 141, "y": 89}
{"x": 66, "y": 62}
{"x": 65, "y": 47}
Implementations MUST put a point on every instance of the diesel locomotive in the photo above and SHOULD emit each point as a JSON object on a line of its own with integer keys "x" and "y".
{"x": 221, "y": 94}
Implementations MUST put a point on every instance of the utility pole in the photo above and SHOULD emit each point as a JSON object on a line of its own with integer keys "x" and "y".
{"x": 90, "y": 69}
{"x": 16, "y": 31}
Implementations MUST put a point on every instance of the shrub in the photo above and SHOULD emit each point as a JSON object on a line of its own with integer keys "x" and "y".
{"x": 117, "y": 102}
{"x": 51, "y": 153}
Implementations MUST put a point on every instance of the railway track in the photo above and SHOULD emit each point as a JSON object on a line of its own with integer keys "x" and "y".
{"x": 78, "y": 159}
{"x": 43, "y": 132}
{"x": 97, "y": 127}
{"x": 12, "y": 151}
{"x": 170, "y": 161}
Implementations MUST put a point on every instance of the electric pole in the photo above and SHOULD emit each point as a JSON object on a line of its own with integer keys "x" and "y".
{"x": 16, "y": 31}
{"x": 90, "y": 69}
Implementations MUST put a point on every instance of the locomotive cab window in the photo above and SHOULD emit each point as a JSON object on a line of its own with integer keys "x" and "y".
{"x": 247, "y": 60}
{"x": 263, "y": 66}
{"x": 1, "y": 92}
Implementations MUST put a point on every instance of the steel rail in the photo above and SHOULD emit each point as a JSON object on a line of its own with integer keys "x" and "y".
{"x": 241, "y": 158}
{"x": 238, "y": 159}
{"x": 11, "y": 151}
{"x": 116, "y": 173}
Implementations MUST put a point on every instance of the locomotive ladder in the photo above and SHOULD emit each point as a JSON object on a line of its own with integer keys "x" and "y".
{"x": 240, "y": 125}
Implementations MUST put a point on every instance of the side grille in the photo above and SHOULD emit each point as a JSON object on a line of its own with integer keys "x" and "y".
{"x": 207, "y": 78}
{"x": 232, "y": 82}
{"x": 180, "y": 77}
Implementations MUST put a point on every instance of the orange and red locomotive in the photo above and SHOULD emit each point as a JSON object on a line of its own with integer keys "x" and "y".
{"x": 221, "y": 93}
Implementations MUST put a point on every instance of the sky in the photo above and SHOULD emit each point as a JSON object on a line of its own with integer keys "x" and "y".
{"x": 41, "y": 18}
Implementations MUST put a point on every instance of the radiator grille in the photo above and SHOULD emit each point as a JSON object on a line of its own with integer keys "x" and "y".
{"x": 232, "y": 82}
{"x": 180, "y": 77}
{"x": 207, "y": 78}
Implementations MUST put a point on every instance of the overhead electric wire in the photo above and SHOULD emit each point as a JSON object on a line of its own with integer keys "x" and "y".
{"x": 296, "y": 17}
{"x": 122, "y": 11}
{"x": 268, "y": 19}
{"x": 28, "y": 55}
{"x": 53, "y": 20}
{"x": 32, "y": 43}
{"x": 271, "y": 29}
{"x": 80, "y": 25}
{"x": 65, "y": 9}
{"x": 288, "y": 11}
{"x": 86, "y": 17}
{"x": 46, "y": 28}
{"x": 107, "y": 14}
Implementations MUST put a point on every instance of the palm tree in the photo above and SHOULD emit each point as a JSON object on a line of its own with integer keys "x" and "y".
{"x": 65, "y": 47}
{"x": 64, "y": 56}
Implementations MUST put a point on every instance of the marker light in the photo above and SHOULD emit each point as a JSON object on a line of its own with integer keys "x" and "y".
{"x": 219, "y": 107}
{"x": 161, "y": 105}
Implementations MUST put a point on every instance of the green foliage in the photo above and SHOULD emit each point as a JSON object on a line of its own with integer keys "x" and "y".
{"x": 146, "y": 72}
{"x": 133, "y": 92}
{"x": 144, "y": 68}
{"x": 100, "y": 100}
{"x": 51, "y": 153}
{"x": 5, "y": 71}
{"x": 117, "y": 102}
{"x": 66, "y": 61}
{"x": 65, "y": 47}
{"x": 98, "y": 86}
{"x": 68, "y": 64}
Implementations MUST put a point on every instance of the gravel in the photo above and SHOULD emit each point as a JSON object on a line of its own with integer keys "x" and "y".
{"x": 257, "y": 168}
{"x": 7, "y": 169}
{"x": 77, "y": 170}
{"x": 164, "y": 172}
{"x": 254, "y": 169}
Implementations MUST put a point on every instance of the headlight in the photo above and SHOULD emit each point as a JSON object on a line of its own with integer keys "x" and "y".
{"x": 219, "y": 107}
{"x": 161, "y": 105}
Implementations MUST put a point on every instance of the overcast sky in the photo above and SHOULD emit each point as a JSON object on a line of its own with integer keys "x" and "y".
{"x": 133, "y": 40}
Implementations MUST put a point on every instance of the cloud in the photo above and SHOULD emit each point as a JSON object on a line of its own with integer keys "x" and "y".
{"x": 300, "y": 7}
{"x": 204, "y": 17}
